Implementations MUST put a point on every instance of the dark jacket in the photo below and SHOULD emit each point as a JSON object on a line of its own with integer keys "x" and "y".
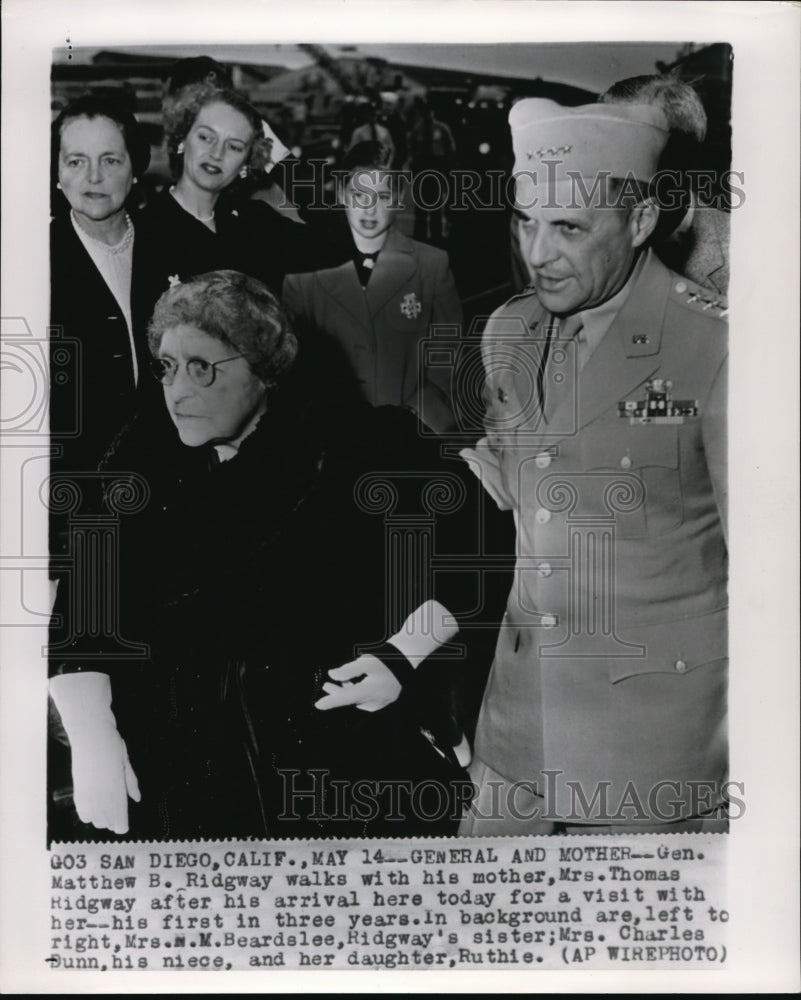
{"x": 250, "y": 237}
{"x": 93, "y": 393}
{"x": 92, "y": 389}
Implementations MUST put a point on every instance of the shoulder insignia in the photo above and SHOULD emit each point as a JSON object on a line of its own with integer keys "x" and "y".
{"x": 699, "y": 298}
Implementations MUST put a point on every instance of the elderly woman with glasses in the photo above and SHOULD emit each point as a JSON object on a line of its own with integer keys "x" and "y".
{"x": 254, "y": 569}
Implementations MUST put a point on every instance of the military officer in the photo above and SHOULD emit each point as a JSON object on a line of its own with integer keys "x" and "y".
{"x": 605, "y": 385}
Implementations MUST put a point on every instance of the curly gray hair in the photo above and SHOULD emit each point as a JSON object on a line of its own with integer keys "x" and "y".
{"x": 236, "y": 309}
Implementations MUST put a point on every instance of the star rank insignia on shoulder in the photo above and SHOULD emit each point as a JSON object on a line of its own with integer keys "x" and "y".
{"x": 658, "y": 407}
{"x": 699, "y": 298}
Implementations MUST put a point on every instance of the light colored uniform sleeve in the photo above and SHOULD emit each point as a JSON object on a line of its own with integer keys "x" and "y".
{"x": 714, "y": 432}
{"x": 485, "y": 463}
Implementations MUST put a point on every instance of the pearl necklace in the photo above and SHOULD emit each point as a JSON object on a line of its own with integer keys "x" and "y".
{"x": 200, "y": 218}
{"x": 118, "y": 248}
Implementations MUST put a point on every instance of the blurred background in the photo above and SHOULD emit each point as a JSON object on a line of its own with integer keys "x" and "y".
{"x": 315, "y": 96}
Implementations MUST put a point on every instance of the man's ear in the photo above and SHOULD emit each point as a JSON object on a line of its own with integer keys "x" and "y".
{"x": 642, "y": 221}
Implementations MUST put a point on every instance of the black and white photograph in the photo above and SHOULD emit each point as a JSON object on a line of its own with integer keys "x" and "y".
{"x": 385, "y": 527}
{"x": 609, "y": 674}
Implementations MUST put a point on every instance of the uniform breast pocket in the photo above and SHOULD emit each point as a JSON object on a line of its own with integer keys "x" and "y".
{"x": 682, "y": 649}
{"x": 645, "y": 494}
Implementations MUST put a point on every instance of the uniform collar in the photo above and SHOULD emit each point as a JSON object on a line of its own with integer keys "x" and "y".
{"x": 597, "y": 320}
{"x": 630, "y": 352}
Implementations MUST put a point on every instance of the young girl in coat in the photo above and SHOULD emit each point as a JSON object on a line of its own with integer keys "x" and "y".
{"x": 387, "y": 301}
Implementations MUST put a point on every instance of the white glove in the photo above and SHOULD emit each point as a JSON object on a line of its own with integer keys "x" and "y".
{"x": 377, "y": 688}
{"x": 102, "y": 775}
{"x": 425, "y": 630}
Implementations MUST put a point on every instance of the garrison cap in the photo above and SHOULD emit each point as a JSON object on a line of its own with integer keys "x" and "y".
{"x": 553, "y": 143}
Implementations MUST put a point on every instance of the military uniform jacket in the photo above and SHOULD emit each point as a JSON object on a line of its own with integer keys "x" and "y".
{"x": 610, "y": 667}
{"x": 380, "y": 329}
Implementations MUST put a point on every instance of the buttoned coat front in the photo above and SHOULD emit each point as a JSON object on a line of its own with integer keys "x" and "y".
{"x": 381, "y": 328}
{"x": 94, "y": 395}
{"x": 611, "y": 665}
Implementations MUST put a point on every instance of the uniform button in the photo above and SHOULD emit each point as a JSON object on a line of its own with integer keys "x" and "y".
{"x": 625, "y": 462}
{"x": 549, "y": 621}
{"x": 680, "y": 287}
{"x": 543, "y": 515}
{"x": 681, "y": 666}
{"x": 544, "y": 569}
{"x": 543, "y": 460}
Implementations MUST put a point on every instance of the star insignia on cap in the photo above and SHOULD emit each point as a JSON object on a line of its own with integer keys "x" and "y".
{"x": 550, "y": 151}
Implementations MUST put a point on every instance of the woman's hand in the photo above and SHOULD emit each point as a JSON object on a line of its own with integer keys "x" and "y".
{"x": 365, "y": 683}
{"x": 103, "y": 779}
{"x": 102, "y": 775}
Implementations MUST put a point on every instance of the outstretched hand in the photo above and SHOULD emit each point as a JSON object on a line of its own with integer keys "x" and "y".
{"x": 365, "y": 682}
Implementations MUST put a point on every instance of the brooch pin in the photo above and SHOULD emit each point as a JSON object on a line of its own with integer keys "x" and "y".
{"x": 658, "y": 407}
{"x": 410, "y": 306}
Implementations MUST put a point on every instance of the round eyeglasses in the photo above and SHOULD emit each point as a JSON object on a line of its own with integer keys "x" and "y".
{"x": 201, "y": 372}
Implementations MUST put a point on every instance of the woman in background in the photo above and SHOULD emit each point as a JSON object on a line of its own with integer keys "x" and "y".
{"x": 215, "y": 138}
{"x": 102, "y": 280}
{"x": 385, "y": 301}
{"x": 103, "y": 286}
